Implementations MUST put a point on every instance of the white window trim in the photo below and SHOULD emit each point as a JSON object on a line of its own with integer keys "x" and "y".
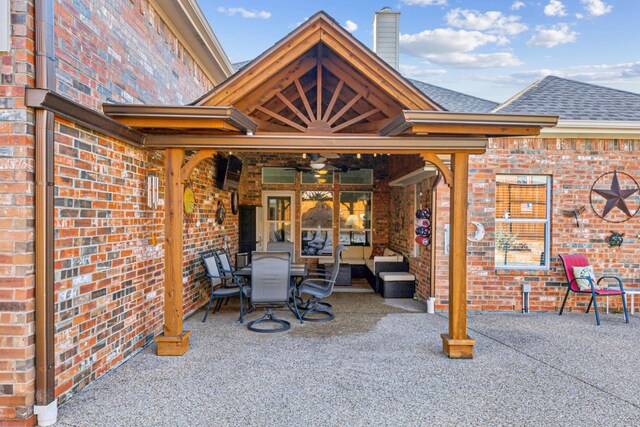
{"x": 547, "y": 230}
{"x": 370, "y": 230}
{"x": 265, "y": 219}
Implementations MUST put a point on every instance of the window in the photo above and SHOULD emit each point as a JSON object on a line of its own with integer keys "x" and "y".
{"x": 357, "y": 177}
{"x": 322, "y": 176}
{"x": 278, "y": 218}
{"x": 522, "y": 233}
{"x": 316, "y": 224}
{"x": 278, "y": 175}
{"x": 355, "y": 218}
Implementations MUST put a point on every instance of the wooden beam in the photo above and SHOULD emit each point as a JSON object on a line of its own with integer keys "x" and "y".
{"x": 355, "y": 120}
{"x": 344, "y": 109}
{"x": 275, "y": 84}
{"x": 305, "y": 101}
{"x": 293, "y": 108}
{"x": 282, "y": 119}
{"x": 319, "y": 85}
{"x": 456, "y": 344}
{"x": 334, "y": 98}
{"x": 437, "y": 162}
{"x": 185, "y": 171}
{"x": 176, "y": 123}
{"x": 174, "y": 341}
{"x": 360, "y": 85}
{"x": 300, "y": 143}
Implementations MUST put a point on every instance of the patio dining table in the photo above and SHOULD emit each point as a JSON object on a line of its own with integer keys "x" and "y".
{"x": 297, "y": 271}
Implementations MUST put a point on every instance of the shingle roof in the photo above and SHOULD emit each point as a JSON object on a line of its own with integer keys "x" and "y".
{"x": 573, "y": 100}
{"x": 454, "y": 101}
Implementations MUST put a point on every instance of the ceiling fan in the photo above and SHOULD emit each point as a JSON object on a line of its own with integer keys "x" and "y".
{"x": 324, "y": 162}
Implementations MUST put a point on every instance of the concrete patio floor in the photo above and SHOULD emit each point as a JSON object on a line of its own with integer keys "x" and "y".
{"x": 378, "y": 364}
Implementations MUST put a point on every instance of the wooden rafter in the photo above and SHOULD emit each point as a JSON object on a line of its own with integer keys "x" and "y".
{"x": 293, "y": 108}
{"x": 334, "y": 98}
{"x": 282, "y": 119}
{"x": 303, "y": 96}
{"x": 319, "y": 85}
{"x": 355, "y": 120}
{"x": 344, "y": 109}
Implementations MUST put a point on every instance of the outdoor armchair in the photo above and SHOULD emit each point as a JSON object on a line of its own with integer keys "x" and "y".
{"x": 570, "y": 261}
{"x": 218, "y": 291}
{"x": 270, "y": 288}
{"x": 318, "y": 288}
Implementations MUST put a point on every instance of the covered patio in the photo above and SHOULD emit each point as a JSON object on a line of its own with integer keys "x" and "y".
{"x": 317, "y": 91}
{"x": 361, "y": 370}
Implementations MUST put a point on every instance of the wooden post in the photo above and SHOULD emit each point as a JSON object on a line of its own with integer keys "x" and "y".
{"x": 457, "y": 344}
{"x": 174, "y": 341}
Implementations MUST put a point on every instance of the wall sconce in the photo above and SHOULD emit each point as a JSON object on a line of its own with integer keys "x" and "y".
{"x": 153, "y": 188}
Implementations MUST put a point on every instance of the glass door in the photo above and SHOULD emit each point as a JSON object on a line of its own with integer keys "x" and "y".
{"x": 279, "y": 214}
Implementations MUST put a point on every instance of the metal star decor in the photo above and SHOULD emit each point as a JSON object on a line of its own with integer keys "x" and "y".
{"x": 615, "y": 197}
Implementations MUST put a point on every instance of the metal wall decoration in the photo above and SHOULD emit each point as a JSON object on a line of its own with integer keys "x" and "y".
{"x": 615, "y": 196}
{"x": 234, "y": 202}
{"x": 423, "y": 226}
{"x": 615, "y": 239}
{"x": 576, "y": 214}
{"x": 221, "y": 213}
{"x": 478, "y": 234}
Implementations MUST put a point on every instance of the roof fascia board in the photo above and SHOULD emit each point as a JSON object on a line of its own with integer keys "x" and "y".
{"x": 594, "y": 129}
{"x": 188, "y": 23}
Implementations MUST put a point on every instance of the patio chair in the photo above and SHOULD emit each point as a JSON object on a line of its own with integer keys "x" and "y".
{"x": 270, "y": 288}
{"x": 281, "y": 247}
{"x": 586, "y": 284}
{"x": 319, "y": 288}
{"x": 218, "y": 291}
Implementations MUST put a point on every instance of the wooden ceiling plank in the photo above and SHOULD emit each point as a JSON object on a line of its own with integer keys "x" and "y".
{"x": 229, "y": 92}
{"x": 334, "y": 98}
{"x": 282, "y": 119}
{"x": 342, "y": 72}
{"x": 355, "y": 120}
{"x": 293, "y": 108}
{"x": 319, "y": 86}
{"x": 409, "y": 96}
{"x": 303, "y": 96}
{"x": 344, "y": 109}
{"x": 276, "y": 84}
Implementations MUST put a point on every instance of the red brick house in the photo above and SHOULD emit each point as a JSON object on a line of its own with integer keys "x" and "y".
{"x": 99, "y": 272}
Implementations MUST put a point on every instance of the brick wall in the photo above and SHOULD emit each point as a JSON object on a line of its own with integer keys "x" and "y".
{"x": 574, "y": 165}
{"x": 122, "y": 51}
{"x": 17, "y": 329}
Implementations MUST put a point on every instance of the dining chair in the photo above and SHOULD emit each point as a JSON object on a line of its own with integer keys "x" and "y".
{"x": 318, "y": 289}
{"x": 270, "y": 288}
{"x": 218, "y": 291}
{"x": 281, "y": 247}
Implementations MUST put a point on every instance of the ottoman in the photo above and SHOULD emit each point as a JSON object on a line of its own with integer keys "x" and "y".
{"x": 398, "y": 284}
{"x": 344, "y": 274}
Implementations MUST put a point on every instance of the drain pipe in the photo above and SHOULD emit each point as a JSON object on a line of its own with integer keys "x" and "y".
{"x": 46, "y": 405}
{"x": 431, "y": 301}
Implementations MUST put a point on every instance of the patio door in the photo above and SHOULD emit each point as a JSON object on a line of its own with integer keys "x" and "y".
{"x": 279, "y": 217}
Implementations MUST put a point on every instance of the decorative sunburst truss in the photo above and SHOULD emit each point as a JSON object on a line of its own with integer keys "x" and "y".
{"x": 322, "y": 94}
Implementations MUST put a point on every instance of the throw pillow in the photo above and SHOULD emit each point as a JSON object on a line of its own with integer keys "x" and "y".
{"x": 581, "y": 274}
{"x": 377, "y": 251}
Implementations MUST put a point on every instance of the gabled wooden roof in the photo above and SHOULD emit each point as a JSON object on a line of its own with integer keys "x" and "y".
{"x": 319, "y": 80}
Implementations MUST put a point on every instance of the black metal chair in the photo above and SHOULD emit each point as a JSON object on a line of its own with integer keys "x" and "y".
{"x": 270, "y": 288}
{"x": 218, "y": 291}
{"x": 319, "y": 288}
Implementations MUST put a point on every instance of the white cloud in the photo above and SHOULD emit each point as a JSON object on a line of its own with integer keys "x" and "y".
{"x": 555, "y": 8}
{"x": 552, "y": 36}
{"x": 245, "y": 13}
{"x": 419, "y": 72}
{"x": 596, "y": 7}
{"x": 493, "y": 22}
{"x": 579, "y": 16}
{"x": 623, "y": 73}
{"x": 425, "y": 2}
{"x": 517, "y": 5}
{"x": 475, "y": 60}
{"x": 442, "y": 41}
{"x": 350, "y": 26}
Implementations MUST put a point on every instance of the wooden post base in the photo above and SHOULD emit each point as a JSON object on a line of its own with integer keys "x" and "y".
{"x": 458, "y": 348}
{"x": 173, "y": 345}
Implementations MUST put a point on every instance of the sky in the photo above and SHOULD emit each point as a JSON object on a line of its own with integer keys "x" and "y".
{"x": 490, "y": 49}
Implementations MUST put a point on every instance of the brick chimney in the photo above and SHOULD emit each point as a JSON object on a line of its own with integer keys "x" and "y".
{"x": 386, "y": 36}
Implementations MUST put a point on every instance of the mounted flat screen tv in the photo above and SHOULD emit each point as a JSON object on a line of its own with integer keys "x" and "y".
{"x": 228, "y": 173}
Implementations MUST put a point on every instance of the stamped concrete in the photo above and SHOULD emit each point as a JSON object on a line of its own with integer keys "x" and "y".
{"x": 378, "y": 364}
